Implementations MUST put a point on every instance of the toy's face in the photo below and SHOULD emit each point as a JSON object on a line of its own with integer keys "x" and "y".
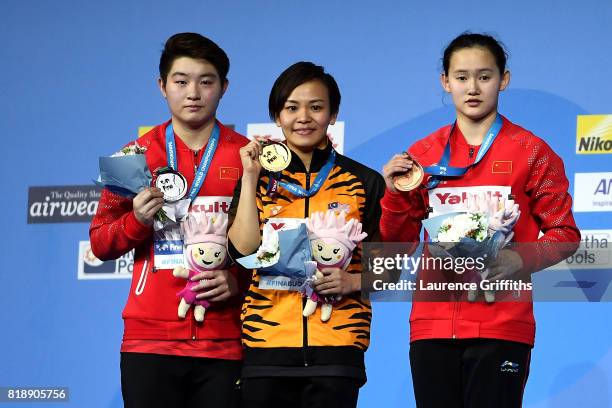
{"x": 329, "y": 252}
{"x": 207, "y": 255}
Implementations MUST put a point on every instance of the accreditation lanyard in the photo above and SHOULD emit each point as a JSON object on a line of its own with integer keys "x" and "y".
{"x": 301, "y": 192}
{"x": 442, "y": 169}
{"x": 202, "y": 169}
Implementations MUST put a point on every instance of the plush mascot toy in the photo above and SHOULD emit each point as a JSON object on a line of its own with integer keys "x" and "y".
{"x": 205, "y": 250}
{"x": 332, "y": 240}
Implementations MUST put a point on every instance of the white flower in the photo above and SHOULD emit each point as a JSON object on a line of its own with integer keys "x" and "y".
{"x": 471, "y": 225}
{"x": 268, "y": 252}
{"x": 130, "y": 150}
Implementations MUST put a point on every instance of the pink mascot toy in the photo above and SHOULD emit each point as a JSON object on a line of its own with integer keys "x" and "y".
{"x": 332, "y": 240}
{"x": 205, "y": 241}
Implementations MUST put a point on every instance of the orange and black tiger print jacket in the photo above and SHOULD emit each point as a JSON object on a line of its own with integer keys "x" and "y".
{"x": 278, "y": 340}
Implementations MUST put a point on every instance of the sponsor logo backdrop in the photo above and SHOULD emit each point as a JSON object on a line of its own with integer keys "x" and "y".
{"x": 90, "y": 97}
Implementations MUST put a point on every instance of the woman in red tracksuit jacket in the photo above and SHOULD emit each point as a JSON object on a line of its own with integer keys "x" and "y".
{"x": 476, "y": 354}
{"x": 167, "y": 361}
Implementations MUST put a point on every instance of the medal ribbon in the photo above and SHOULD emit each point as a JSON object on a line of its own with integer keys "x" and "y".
{"x": 202, "y": 169}
{"x": 318, "y": 182}
{"x": 442, "y": 169}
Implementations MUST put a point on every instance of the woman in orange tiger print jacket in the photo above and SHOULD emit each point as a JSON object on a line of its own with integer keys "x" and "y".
{"x": 286, "y": 353}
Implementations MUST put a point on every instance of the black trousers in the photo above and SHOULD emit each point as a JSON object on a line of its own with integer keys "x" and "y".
{"x": 296, "y": 392}
{"x": 153, "y": 380}
{"x": 471, "y": 373}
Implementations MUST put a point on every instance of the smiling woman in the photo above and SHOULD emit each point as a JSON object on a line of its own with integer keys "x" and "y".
{"x": 284, "y": 349}
{"x": 303, "y": 103}
{"x": 305, "y": 118}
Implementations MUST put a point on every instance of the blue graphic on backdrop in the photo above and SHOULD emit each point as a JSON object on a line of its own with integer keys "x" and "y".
{"x": 59, "y": 119}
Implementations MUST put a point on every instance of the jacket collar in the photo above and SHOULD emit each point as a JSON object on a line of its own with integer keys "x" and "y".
{"x": 319, "y": 158}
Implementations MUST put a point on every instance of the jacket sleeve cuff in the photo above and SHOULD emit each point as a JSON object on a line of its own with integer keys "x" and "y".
{"x": 528, "y": 256}
{"x": 396, "y": 201}
{"x": 134, "y": 229}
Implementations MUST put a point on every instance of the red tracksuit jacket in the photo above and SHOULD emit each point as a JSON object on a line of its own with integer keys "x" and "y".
{"x": 518, "y": 163}
{"x": 151, "y": 309}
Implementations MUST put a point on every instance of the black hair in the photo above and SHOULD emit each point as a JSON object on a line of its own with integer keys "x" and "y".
{"x": 471, "y": 40}
{"x": 195, "y": 46}
{"x": 296, "y": 75}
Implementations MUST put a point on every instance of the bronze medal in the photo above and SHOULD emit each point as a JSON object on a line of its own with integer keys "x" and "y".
{"x": 411, "y": 179}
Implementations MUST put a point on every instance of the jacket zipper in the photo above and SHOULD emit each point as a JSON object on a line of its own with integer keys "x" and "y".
{"x": 194, "y": 328}
{"x": 305, "y": 319}
{"x": 453, "y": 321}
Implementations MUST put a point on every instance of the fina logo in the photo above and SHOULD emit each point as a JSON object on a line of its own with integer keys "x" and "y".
{"x": 594, "y": 134}
{"x": 509, "y": 367}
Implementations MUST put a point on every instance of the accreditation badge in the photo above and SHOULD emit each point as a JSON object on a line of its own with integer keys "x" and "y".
{"x": 168, "y": 244}
{"x": 275, "y": 156}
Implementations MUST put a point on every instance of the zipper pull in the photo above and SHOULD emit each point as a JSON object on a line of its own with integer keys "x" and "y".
{"x": 195, "y": 160}
{"x": 471, "y": 152}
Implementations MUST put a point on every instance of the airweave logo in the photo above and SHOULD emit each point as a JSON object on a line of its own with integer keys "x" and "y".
{"x": 594, "y": 134}
{"x": 62, "y": 204}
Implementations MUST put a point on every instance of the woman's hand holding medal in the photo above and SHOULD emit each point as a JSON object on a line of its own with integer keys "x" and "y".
{"x": 261, "y": 153}
{"x": 147, "y": 203}
{"x": 402, "y": 173}
{"x": 249, "y": 156}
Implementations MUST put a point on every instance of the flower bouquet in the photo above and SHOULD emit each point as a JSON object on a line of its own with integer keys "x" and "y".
{"x": 480, "y": 232}
{"x": 281, "y": 253}
{"x": 126, "y": 173}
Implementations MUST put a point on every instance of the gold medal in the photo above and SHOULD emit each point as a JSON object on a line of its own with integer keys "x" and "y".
{"x": 275, "y": 156}
{"x": 411, "y": 179}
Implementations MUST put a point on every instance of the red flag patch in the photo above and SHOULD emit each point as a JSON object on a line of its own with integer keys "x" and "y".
{"x": 229, "y": 173}
{"x": 502, "y": 167}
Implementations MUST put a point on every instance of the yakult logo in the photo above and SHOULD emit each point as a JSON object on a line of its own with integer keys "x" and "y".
{"x": 212, "y": 204}
{"x": 451, "y": 199}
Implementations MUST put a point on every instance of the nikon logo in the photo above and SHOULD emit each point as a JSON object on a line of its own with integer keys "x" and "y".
{"x": 594, "y": 134}
{"x": 594, "y": 145}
